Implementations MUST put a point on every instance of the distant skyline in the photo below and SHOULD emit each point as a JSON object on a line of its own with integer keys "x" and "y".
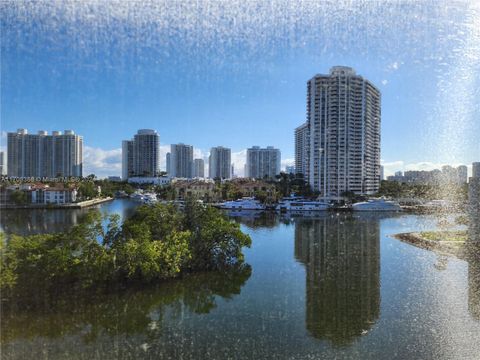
{"x": 234, "y": 74}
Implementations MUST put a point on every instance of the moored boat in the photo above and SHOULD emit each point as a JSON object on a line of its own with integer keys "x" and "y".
{"x": 299, "y": 204}
{"x": 377, "y": 205}
{"x": 137, "y": 196}
{"x": 150, "y": 198}
{"x": 243, "y": 204}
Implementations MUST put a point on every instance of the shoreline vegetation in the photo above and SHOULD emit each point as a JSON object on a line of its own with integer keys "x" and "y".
{"x": 156, "y": 244}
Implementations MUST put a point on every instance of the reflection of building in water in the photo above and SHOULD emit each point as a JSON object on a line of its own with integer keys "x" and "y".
{"x": 254, "y": 219}
{"x": 342, "y": 259}
{"x": 39, "y": 221}
{"x": 474, "y": 264}
{"x": 474, "y": 288}
{"x": 35, "y": 221}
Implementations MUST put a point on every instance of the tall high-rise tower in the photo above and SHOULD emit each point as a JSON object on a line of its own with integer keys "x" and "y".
{"x": 343, "y": 121}
{"x": 141, "y": 156}
{"x": 219, "y": 163}
{"x": 146, "y": 153}
{"x": 181, "y": 161}
{"x": 263, "y": 162}
{"x": 127, "y": 159}
{"x": 3, "y": 162}
{"x": 43, "y": 155}
{"x": 301, "y": 148}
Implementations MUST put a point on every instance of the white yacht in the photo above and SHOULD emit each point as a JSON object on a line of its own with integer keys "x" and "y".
{"x": 377, "y": 205}
{"x": 150, "y": 198}
{"x": 248, "y": 203}
{"x": 299, "y": 204}
{"x": 137, "y": 196}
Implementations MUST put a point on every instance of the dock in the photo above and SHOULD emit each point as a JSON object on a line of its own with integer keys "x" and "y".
{"x": 78, "y": 205}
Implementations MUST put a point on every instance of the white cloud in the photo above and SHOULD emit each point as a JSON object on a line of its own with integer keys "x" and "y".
{"x": 164, "y": 149}
{"x": 200, "y": 154}
{"x": 101, "y": 162}
{"x": 239, "y": 159}
{"x": 105, "y": 163}
{"x": 424, "y": 165}
{"x": 3, "y": 141}
{"x": 391, "y": 167}
{"x": 384, "y": 82}
{"x": 287, "y": 162}
{"x": 394, "y": 66}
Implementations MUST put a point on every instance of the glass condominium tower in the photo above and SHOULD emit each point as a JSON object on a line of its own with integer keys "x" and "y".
{"x": 343, "y": 130}
{"x": 141, "y": 155}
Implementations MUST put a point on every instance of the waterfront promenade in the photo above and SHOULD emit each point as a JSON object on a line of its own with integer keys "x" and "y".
{"x": 77, "y": 205}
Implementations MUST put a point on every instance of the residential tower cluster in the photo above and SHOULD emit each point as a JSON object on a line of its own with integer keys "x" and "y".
{"x": 337, "y": 148}
{"x": 447, "y": 174}
{"x": 43, "y": 155}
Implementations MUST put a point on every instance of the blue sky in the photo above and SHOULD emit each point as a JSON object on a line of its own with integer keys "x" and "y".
{"x": 234, "y": 74}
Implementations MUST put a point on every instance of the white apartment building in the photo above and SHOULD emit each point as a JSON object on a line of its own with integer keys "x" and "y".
{"x": 220, "y": 163}
{"x": 53, "y": 195}
{"x": 263, "y": 162}
{"x": 343, "y": 122}
{"x": 3, "y": 163}
{"x": 43, "y": 155}
{"x": 156, "y": 180}
{"x": 301, "y": 148}
{"x": 181, "y": 161}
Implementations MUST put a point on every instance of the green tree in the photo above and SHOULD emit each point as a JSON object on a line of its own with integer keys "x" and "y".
{"x": 157, "y": 242}
{"x": 87, "y": 190}
{"x": 19, "y": 197}
{"x": 261, "y": 196}
{"x": 143, "y": 258}
{"x": 166, "y": 192}
{"x": 216, "y": 242}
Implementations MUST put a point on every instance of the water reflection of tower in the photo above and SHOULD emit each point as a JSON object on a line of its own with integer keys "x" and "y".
{"x": 342, "y": 259}
{"x": 38, "y": 221}
{"x": 474, "y": 288}
{"x": 473, "y": 258}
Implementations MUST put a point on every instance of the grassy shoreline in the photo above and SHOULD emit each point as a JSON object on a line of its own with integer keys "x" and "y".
{"x": 452, "y": 243}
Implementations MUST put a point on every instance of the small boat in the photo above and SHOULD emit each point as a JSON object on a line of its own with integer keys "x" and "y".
{"x": 248, "y": 203}
{"x": 137, "y": 196}
{"x": 438, "y": 204}
{"x": 377, "y": 205}
{"x": 293, "y": 204}
{"x": 150, "y": 198}
{"x": 120, "y": 194}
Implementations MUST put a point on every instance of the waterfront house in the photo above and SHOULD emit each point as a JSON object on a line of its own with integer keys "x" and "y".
{"x": 200, "y": 189}
{"x": 252, "y": 187}
{"x": 44, "y": 194}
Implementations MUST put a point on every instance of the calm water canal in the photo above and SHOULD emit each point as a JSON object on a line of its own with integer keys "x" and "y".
{"x": 324, "y": 287}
